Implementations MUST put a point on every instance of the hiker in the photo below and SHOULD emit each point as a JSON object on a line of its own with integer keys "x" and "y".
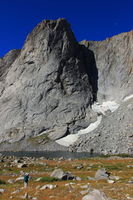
{"x": 26, "y": 179}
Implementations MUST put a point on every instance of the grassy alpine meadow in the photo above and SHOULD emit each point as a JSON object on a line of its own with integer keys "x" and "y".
{"x": 42, "y": 186}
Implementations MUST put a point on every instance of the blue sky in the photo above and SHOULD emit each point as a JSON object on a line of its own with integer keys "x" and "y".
{"x": 89, "y": 19}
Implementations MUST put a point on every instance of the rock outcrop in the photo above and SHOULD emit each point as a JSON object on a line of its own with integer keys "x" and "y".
{"x": 45, "y": 87}
{"x": 54, "y": 89}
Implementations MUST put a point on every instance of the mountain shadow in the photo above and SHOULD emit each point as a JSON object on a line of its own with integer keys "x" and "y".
{"x": 91, "y": 69}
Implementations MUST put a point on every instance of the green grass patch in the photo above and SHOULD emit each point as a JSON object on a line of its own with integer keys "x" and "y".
{"x": 117, "y": 155}
{"x": 118, "y": 166}
{"x": 124, "y": 155}
{"x": 8, "y": 170}
{"x": 96, "y": 166}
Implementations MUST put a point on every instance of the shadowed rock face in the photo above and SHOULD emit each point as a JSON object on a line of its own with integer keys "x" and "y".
{"x": 46, "y": 87}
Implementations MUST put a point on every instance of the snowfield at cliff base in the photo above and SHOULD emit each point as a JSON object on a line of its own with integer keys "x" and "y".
{"x": 98, "y": 108}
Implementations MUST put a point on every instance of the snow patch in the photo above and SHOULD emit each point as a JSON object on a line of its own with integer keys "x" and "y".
{"x": 91, "y": 127}
{"x": 70, "y": 139}
{"x": 98, "y": 108}
{"x": 128, "y": 97}
{"x": 105, "y": 106}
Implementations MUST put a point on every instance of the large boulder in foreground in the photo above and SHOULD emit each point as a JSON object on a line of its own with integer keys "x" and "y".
{"x": 45, "y": 87}
{"x": 96, "y": 195}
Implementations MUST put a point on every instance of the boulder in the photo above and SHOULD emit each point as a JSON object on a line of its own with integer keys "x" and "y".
{"x": 16, "y": 191}
{"x": 130, "y": 166}
{"x": 130, "y": 181}
{"x": 102, "y": 174}
{"x": 11, "y": 181}
{"x": 116, "y": 178}
{"x": 17, "y": 161}
{"x": 77, "y": 178}
{"x": 2, "y": 190}
{"x": 79, "y": 166}
{"x": 22, "y": 165}
{"x": 57, "y": 173}
{"x": 19, "y": 178}
{"x": 48, "y": 186}
{"x": 96, "y": 195}
{"x": 60, "y": 174}
{"x": 87, "y": 186}
{"x": 111, "y": 181}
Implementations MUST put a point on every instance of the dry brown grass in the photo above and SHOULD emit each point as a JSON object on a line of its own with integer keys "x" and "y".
{"x": 119, "y": 190}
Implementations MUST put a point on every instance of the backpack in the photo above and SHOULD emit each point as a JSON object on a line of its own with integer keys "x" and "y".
{"x": 26, "y": 178}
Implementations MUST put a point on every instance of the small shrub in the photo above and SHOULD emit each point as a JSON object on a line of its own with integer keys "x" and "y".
{"x": 48, "y": 179}
{"x": 2, "y": 182}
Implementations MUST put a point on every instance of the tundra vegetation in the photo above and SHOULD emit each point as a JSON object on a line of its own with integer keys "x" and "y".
{"x": 42, "y": 186}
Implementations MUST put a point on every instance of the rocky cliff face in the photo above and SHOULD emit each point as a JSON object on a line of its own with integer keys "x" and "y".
{"x": 114, "y": 61}
{"x": 45, "y": 89}
{"x": 48, "y": 90}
